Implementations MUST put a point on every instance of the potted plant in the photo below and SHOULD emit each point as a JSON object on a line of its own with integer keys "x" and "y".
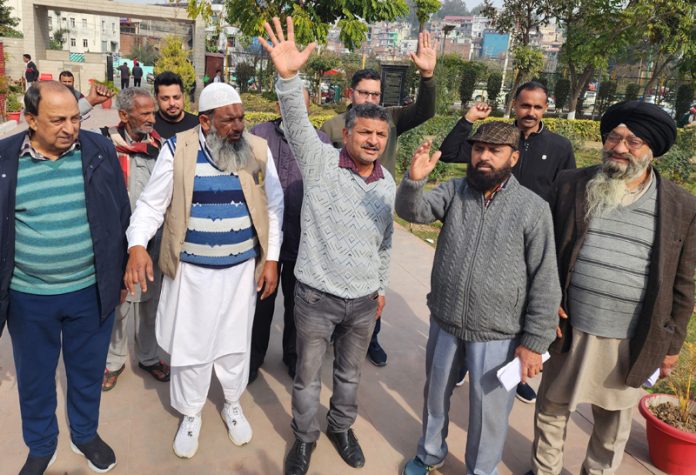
{"x": 13, "y": 106}
{"x": 671, "y": 418}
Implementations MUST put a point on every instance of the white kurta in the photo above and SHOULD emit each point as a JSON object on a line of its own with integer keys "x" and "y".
{"x": 206, "y": 313}
{"x": 203, "y": 313}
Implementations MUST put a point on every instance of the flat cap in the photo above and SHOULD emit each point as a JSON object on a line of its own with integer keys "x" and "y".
{"x": 497, "y": 133}
{"x": 647, "y": 121}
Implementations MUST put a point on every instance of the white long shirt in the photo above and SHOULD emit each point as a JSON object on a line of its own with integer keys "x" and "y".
{"x": 157, "y": 195}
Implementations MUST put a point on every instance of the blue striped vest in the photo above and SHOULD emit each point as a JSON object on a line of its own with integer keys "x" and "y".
{"x": 219, "y": 232}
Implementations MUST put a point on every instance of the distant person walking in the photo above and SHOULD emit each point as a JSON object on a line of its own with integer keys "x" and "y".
{"x": 137, "y": 74}
{"x": 125, "y": 75}
{"x": 31, "y": 72}
{"x": 218, "y": 76}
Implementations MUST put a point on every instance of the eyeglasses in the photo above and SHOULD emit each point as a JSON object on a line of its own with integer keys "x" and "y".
{"x": 632, "y": 142}
{"x": 366, "y": 94}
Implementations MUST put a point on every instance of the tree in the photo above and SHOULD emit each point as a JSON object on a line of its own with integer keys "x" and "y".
{"x": 631, "y": 92}
{"x": 452, "y": 8}
{"x": 561, "y": 92}
{"x": 244, "y": 72}
{"x": 595, "y": 31}
{"x": 668, "y": 28}
{"x": 522, "y": 19}
{"x": 174, "y": 58}
{"x": 145, "y": 52}
{"x": 425, "y": 8}
{"x": 605, "y": 96}
{"x": 56, "y": 41}
{"x": 685, "y": 96}
{"x": 470, "y": 72}
{"x": 312, "y": 18}
{"x": 317, "y": 65}
{"x": 493, "y": 85}
{"x": 7, "y": 21}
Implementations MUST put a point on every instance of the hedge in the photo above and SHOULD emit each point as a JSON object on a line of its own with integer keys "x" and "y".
{"x": 253, "y": 118}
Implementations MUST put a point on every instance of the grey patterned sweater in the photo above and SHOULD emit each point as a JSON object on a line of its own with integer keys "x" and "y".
{"x": 346, "y": 223}
{"x": 494, "y": 276}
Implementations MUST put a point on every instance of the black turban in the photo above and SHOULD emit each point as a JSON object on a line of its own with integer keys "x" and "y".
{"x": 647, "y": 121}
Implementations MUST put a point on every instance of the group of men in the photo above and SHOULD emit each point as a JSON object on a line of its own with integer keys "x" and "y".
{"x": 596, "y": 264}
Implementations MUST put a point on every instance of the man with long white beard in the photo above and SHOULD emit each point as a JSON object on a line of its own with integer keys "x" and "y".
{"x": 217, "y": 191}
{"x": 626, "y": 246}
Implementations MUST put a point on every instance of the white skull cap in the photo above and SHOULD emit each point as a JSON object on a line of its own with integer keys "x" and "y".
{"x": 217, "y": 94}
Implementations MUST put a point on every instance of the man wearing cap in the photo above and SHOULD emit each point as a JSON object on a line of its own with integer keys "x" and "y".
{"x": 217, "y": 192}
{"x": 494, "y": 295}
{"x": 626, "y": 245}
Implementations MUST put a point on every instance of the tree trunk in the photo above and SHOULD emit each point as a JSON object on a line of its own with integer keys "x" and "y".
{"x": 511, "y": 94}
{"x": 577, "y": 85}
{"x": 657, "y": 70}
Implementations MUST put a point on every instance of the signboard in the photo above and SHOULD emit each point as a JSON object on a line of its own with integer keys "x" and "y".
{"x": 393, "y": 84}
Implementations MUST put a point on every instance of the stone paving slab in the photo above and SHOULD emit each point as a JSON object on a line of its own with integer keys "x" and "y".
{"x": 137, "y": 421}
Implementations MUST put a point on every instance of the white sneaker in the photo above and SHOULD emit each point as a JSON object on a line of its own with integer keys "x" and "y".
{"x": 238, "y": 427}
{"x": 186, "y": 440}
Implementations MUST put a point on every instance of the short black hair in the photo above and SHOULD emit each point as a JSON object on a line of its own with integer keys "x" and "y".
{"x": 28, "y": 56}
{"x": 168, "y": 78}
{"x": 530, "y": 86}
{"x": 370, "y": 74}
{"x": 365, "y": 111}
{"x": 66, "y": 74}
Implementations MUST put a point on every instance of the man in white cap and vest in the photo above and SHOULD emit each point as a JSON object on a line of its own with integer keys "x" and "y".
{"x": 217, "y": 192}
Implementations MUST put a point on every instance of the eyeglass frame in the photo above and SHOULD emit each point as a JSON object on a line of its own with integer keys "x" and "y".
{"x": 365, "y": 94}
{"x": 613, "y": 139}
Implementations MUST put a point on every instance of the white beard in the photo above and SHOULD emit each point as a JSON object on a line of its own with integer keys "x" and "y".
{"x": 229, "y": 157}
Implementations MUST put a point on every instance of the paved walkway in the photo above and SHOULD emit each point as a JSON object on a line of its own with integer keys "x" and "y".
{"x": 137, "y": 421}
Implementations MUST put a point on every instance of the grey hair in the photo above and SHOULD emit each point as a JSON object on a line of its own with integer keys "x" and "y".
{"x": 365, "y": 111}
{"x": 126, "y": 98}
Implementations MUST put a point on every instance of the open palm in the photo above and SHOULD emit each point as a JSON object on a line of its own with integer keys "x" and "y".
{"x": 286, "y": 57}
{"x": 422, "y": 163}
{"x": 425, "y": 57}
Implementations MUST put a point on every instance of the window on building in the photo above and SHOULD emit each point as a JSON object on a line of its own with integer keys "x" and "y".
{"x": 84, "y": 23}
{"x": 113, "y": 28}
{"x": 50, "y": 23}
{"x": 72, "y": 23}
{"x": 104, "y": 50}
{"x": 103, "y": 26}
{"x": 73, "y": 42}
{"x": 85, "y": 43}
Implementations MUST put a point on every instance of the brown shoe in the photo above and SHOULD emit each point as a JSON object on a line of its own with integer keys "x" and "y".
{"x": 111, "y": 377}
{"x": 159, "y": 371}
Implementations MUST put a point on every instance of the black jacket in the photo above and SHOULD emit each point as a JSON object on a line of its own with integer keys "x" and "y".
{"x": 137, "y": 72}
{"x": 108, "y": 214}
{"x": 542, "y": 156}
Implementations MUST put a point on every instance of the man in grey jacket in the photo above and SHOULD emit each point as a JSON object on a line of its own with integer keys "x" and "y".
{"x": 495, "y": 291}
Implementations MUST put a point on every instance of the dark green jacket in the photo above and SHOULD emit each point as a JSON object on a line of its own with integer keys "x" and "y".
{"x": 402, "y": 119}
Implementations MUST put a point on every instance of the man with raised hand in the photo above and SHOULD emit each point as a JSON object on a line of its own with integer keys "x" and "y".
{"x": 343, "y": 260}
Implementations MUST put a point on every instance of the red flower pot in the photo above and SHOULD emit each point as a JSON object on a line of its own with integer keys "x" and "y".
{"x": 14, "y": 116}
{"x": 671, "y": 450}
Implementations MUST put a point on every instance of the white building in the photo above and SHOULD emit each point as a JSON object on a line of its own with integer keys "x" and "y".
{"x": 85, "y": 33}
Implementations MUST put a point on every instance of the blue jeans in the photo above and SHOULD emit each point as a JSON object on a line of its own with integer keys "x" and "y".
{"x": 40, "y": 325}
{"x": 317, "y": 315}
{"x": 488, "y": 400}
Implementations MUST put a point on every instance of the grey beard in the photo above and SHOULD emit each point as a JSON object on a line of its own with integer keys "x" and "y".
{"x": 229, "y": 157}
{"x": 606, "y": 191}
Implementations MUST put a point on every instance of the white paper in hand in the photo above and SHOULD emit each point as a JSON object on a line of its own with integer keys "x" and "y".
{"x": 650, "y": 382}
{"x": 510, "y": 375}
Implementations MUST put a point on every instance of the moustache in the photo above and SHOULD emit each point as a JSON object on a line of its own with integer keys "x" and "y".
{"x": 529, "y": 117}
{"x": 374, "y": 148}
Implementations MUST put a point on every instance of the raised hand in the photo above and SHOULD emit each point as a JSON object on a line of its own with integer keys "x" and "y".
{"x": 478, "y": 111}
{"x": 425, "y": 57}
{"x": 422, "y": 163}
{"x": 286, "y": 57}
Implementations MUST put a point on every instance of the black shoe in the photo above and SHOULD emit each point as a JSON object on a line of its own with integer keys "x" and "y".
{"x": 100, "y": 457}
{"x": 37, "y": 465}
{"x": 253, "y": 374}
{"x": 376, "y": 354}
{"x": 297, "y": 460}
{"x": 525, "y": 393}
{"x": 347, "y": 446}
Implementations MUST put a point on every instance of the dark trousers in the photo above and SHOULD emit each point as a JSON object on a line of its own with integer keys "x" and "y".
{"x": 136, "y": 82}
{"x": 263, "y": 317}
{"x": 375, "y": 333}
{"x": 318, "y": 315}
{"x": 39, "y": 326}
{"x": 124, "y": 82}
